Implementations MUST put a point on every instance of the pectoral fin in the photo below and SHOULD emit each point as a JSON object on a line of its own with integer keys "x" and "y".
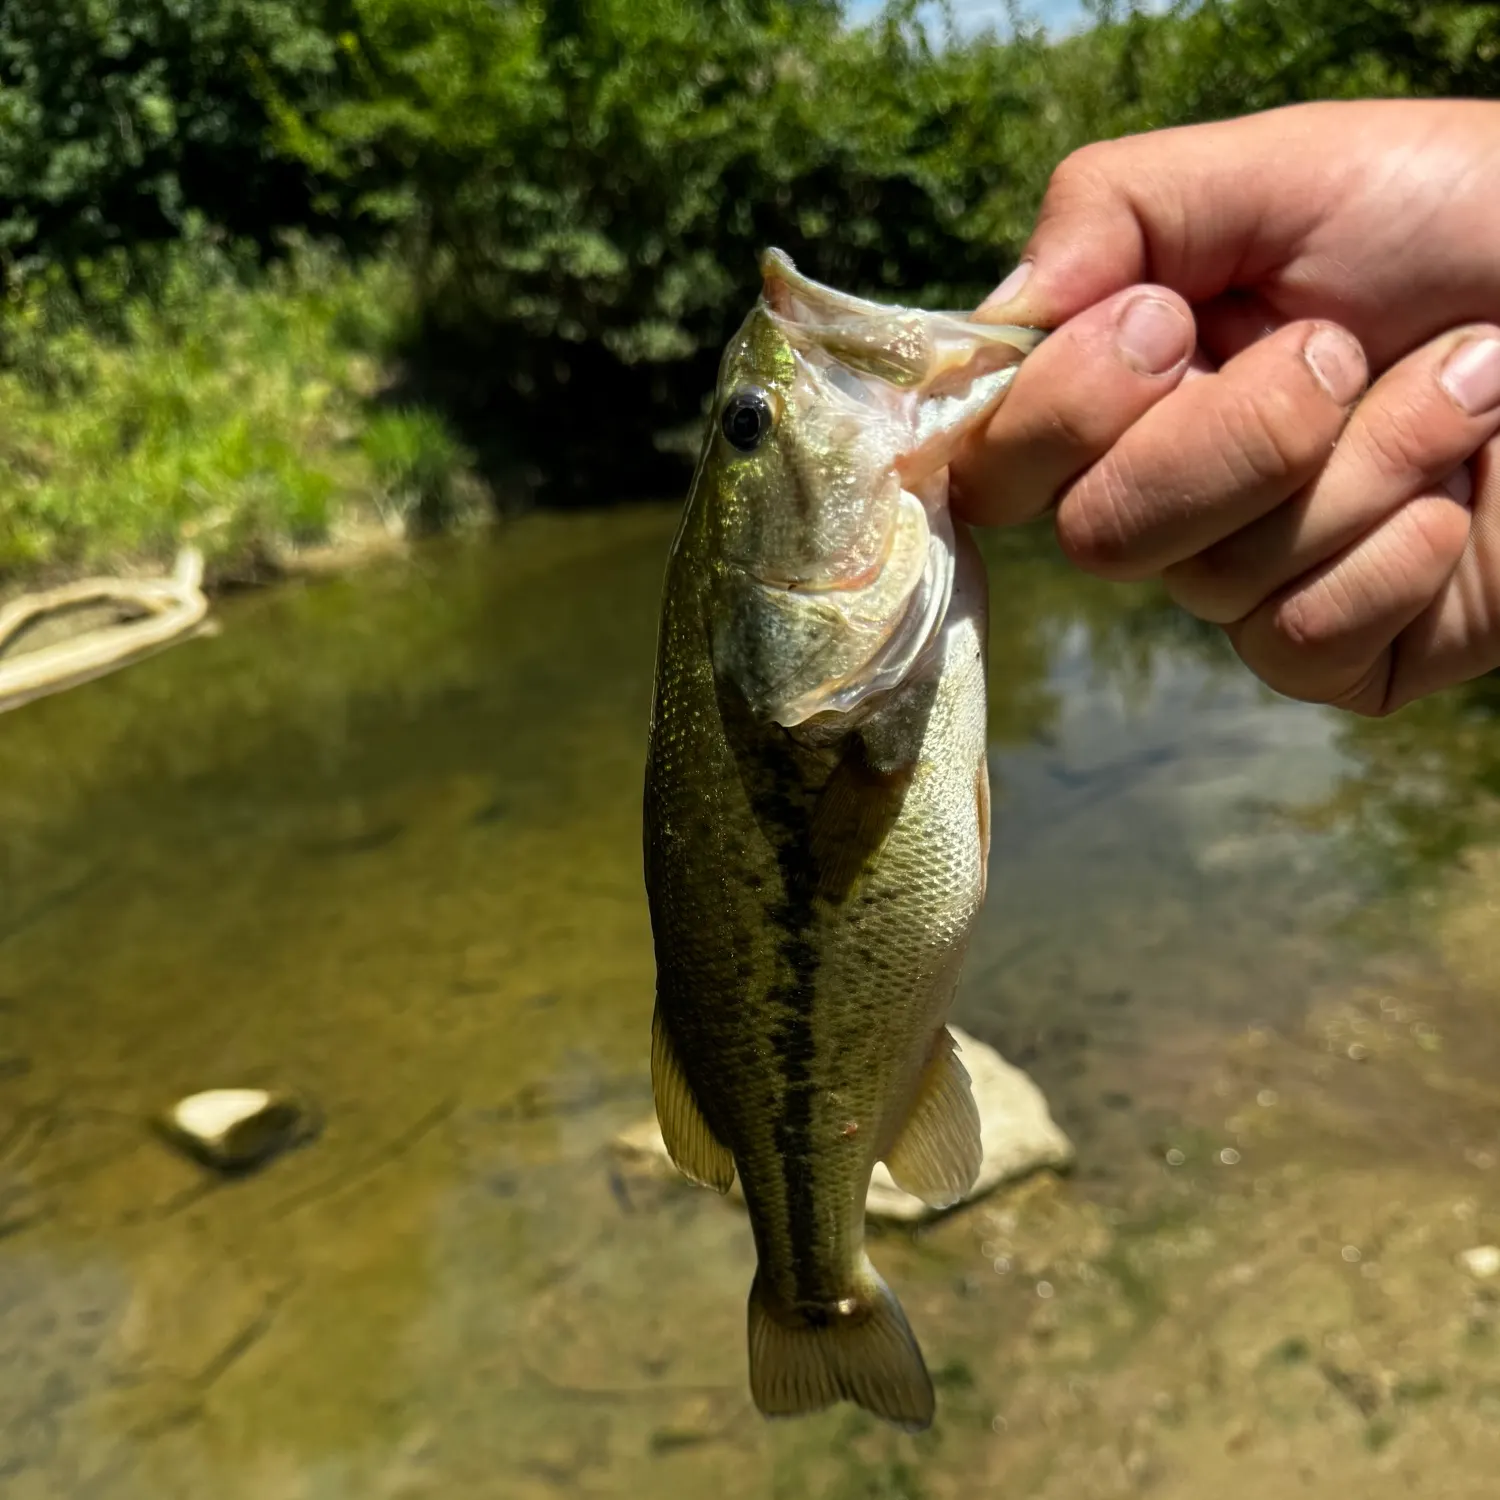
{"x": 852, "y": 816}
{"x": 937, "y": 1155}
{"x": 694, "y": 1148}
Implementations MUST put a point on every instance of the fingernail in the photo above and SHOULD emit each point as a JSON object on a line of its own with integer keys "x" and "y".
{"x": 1337, "y": 363}
{"x": 1460, "y": 484}
{"x": 1152, "y": 335}
{"x": 1010, "y": 287}
{"x": 1471, "y": 375}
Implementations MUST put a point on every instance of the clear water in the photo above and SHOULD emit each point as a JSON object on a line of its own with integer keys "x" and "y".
{"x": 379, "y": 841}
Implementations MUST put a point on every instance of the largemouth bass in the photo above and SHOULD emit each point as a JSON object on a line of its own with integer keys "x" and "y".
{"x": 817, "y": 812}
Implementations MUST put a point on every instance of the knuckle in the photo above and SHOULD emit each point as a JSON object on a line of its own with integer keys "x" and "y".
{"x": 1286, "y": 643}
{"x": 1269, "y": 441}
{"x": 1212, "y": 585}
{"x": 1310, "y": 649}
{"x": 1093, "y": 526}
{"x": 1071, "y": 430}
{"x": 1428, "y": 546}
{"x": 1400, "y": 444}
{"x": 1081, "y": 168}
{"x": 1312, "y": 621}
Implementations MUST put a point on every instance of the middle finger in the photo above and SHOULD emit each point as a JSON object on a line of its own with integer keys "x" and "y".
{"x": 1417, "y": 423}
{"x": 1216, "y": 454}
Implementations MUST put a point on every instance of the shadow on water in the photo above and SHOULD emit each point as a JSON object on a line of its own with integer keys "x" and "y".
{"x": 379, "y": 841}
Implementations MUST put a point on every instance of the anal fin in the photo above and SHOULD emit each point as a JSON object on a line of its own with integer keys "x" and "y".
{"x": 938, "y": 1153}
{"x": 690, "y": 1142}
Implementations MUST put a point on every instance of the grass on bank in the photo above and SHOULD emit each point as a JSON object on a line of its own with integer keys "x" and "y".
{"x": 211, "y": 401}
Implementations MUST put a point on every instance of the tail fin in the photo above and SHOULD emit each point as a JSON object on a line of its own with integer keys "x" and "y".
{"x": 866, "y": 1354}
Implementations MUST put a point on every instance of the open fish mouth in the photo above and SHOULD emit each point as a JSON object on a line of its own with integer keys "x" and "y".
{"x": 837, "y": 645}
{"x": 937, "y": 373}
{"x": 908, "y": 635}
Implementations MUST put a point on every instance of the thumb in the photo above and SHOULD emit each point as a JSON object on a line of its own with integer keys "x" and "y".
{"x": 1199, "y": 209}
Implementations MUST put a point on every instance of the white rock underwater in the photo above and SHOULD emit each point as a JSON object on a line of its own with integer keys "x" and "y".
{"x": 1017, "y": 1133}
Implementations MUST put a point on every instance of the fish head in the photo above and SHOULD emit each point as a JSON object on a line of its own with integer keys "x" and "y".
{"x": 825, "y": 478}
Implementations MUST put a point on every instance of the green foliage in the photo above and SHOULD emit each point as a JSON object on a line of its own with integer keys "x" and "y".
{"x": 119, "y": 118}
{"x": 210, "y": 408}
{"x": 593, "y": 181}
{"x": 416, "y": 459}
{"x": 580, "y": 187}
{"x": 1230, "y": 57}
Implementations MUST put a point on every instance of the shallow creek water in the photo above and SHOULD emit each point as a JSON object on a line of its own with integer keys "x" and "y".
{"x": 378, "y": 840}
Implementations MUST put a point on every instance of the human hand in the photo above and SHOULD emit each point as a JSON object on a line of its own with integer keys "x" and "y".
{"x": 1347, "y": 538}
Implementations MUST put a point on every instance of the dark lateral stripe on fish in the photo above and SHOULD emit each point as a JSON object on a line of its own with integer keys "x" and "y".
{"x": 785, "y": 806}
{"x": 793, "y": 1041}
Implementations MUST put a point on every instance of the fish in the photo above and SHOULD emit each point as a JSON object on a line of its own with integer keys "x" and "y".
{"x": 817, "y": 812}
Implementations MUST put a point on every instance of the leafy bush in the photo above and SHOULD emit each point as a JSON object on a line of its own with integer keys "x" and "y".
{"x": 213, "y": 408}
{"x": 1230, "y": 57}
{"x": 121, "y": 118}
{"x": 592, "y": 181}
{"x": 581, "y": 187}
{"x": 416, "y": 459}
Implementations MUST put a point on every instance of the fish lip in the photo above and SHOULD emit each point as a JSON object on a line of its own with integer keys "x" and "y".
{"x": 824, "y": 308}
{"x": 781, "y": 281}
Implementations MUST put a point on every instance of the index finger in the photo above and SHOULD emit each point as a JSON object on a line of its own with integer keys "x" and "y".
{"x": 1071, "y": 401}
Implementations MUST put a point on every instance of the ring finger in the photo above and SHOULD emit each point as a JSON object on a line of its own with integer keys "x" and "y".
{"x": 1216, "y": 454}
{"x": 1421, "y": 420}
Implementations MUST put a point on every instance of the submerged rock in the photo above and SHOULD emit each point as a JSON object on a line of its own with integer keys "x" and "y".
{"x": 236, "y": 1130}
{"x": 1482, "y": 1262}
{"x": 1017, "y": 1133}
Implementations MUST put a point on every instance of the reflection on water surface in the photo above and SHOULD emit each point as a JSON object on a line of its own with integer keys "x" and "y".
{"x": 379, "y": 841}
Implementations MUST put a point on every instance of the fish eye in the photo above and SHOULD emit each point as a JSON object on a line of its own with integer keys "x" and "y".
{"x": 746, "y": 419}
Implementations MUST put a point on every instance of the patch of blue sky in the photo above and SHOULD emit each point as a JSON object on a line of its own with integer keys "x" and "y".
{"x": 1058, "y": 16}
